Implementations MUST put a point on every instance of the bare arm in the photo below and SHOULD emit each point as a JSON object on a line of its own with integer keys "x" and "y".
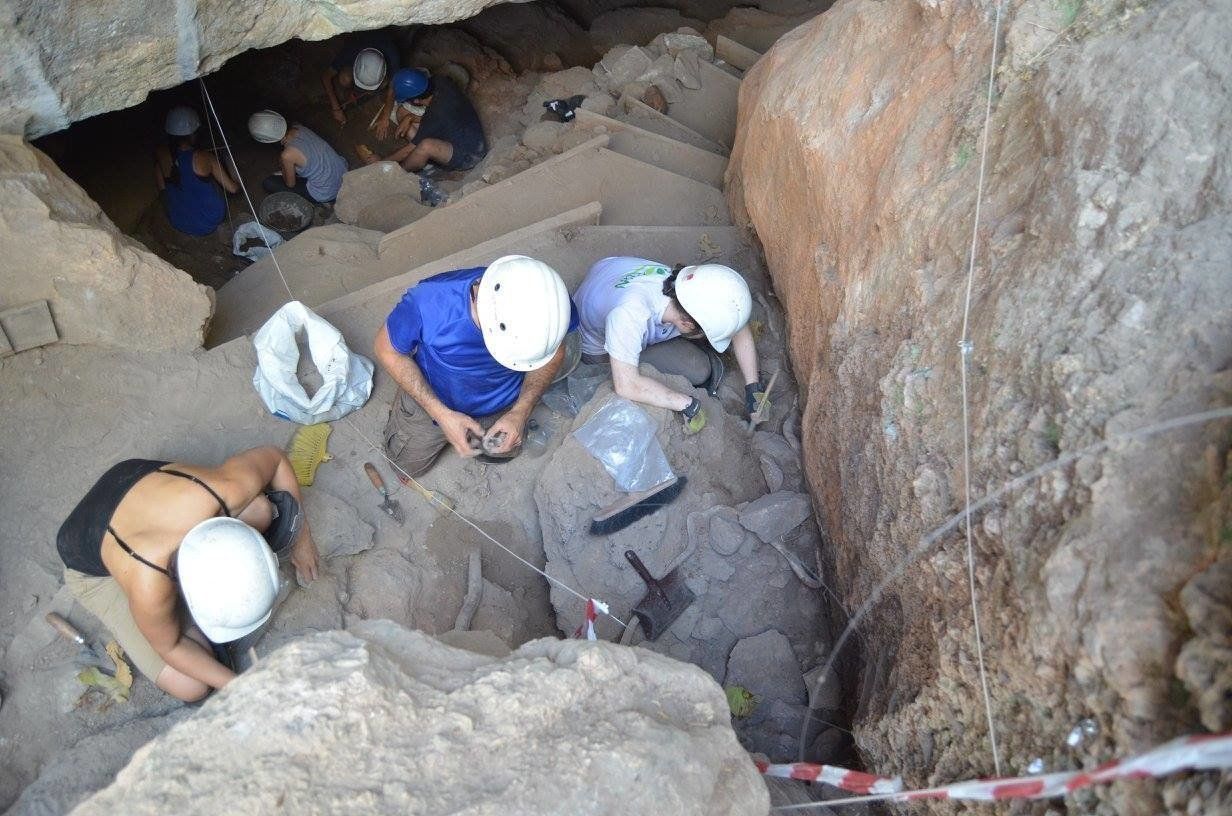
{"x": 746, "y": 355}
{"x": 631, "y": 385}
{"x": 288, "y": 167}
{"x": 327, "y": 80}
{"x": 404, "y": 371}
{"x": 513, "y": 422}
{"x": 221, "y": 175}
{"x": 246, "y": 476}
{"x": 154, "y": 610}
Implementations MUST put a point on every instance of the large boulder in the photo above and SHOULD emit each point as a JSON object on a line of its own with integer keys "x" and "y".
{"x": 103, "y": 288}
{"x": 1099, "y": 305}
{"x": 383, "y": 720}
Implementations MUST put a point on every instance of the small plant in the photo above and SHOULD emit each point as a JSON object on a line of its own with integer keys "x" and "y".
{"x": 1069, "y": 11}
{"x": 1052, "y": 434}
{"x": 965, "y": 151}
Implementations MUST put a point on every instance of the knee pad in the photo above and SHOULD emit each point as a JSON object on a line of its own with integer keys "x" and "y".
{"x": 288, "y": 519}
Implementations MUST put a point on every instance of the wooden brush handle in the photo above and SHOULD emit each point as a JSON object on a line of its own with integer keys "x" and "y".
{"x": 65, "y": 628}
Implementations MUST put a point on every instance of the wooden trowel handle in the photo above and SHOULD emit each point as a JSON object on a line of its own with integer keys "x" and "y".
{"x": 632, "y": 558}
{"x": 374, "y": 476}
{"x": 65, "y": 628}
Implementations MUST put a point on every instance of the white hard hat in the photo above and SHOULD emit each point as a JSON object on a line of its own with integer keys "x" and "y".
{"x": 267, "y": 126}
{"x": 524, "y": 311}
{"x": 182, "y": 121}
{"x": 229, "y": 578}
{"x": 368, "y": 70}
{"x": 717, "y": 298}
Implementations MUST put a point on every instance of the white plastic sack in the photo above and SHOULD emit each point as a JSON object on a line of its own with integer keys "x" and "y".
{"x": 249, "y": 231}
{"x": 346, "y": 376}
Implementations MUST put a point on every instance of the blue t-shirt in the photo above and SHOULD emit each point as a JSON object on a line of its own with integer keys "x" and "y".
{"x": 432, "y": 323}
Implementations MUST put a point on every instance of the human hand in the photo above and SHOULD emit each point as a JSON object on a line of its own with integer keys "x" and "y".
{"x": 407, "y": 127}
{"x": 339, "y": 116}
{"x": 458, "y": 428}
{"x": 505, "y": 435}
{"x": 305, "y": 558}
{"x": 754, "y": 394}
{"x": 694, "y": 417}
{"x": 381, "y": 128}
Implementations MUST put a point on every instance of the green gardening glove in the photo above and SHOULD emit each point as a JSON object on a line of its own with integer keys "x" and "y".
{"x": 694, "y": 417}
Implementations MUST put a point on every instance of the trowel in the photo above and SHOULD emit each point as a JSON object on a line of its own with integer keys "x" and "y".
{"x": 87, "y": 655}
{"x": 665, "y": 600}
{"x": 391, "y": 507}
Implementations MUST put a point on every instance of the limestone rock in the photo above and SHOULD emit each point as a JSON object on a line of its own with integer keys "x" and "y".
{"x": 622, "y": 65}
{"x": 766, "y": 665}
{"x": 336, "y": 528}
{"x": 841, "y": 122}
{"x": 775, "y": 515}
{"x": 645, "y": 734}
{"x": 718, "y": 528}
{"x": 542, "y": 135}
{"x": 381, "y": 197}
{"x": 110, "y": 55}
{"x": 562, "y": 85}
{"x": 384, "y": 585}
{"x": 636, "y": 25}
{"x": 103, "y": 288}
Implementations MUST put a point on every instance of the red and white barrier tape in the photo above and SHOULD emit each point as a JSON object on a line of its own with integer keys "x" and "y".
{"x": 1198, "y": 752}
{"x": 853, "y": 781}
{"x": 593, "y": 608}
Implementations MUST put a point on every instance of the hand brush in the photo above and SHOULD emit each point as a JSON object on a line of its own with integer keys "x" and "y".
{"x": 633, "y": 506}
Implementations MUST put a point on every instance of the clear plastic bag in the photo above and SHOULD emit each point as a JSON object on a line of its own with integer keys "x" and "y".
{"x": 622, "y": 437}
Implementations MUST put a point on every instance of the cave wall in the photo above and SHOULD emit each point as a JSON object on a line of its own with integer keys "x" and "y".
{"x": 65, "y": 60}
{"x": 102, "y": 288}
{"x": 1100, "y": 304}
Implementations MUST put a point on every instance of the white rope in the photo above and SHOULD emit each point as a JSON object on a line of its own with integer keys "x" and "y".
{"x": 380, "y": 452}
{"x": 213, "y": 141}
{"x": 252, "y": 208}
{"x": 965, "y": 349}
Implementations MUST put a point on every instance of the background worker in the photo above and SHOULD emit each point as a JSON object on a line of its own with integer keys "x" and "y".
{"x": 362, "y": 67}
{"x": 634, "y": 310}
{"x": 188, "y": 178}
{"x": 308, "y": 165}
{"x": 447, "y": 133}
{"x": 149, "y": 535}
{"x": 472, "y": 349}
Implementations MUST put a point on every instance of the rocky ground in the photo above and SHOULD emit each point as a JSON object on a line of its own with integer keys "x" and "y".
{"x": 71, "y": 411}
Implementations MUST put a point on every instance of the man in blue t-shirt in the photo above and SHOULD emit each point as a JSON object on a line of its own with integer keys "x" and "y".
{"x": 472, "y": 349}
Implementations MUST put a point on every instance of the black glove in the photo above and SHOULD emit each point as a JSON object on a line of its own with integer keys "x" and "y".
{"x": 753, "y": 395}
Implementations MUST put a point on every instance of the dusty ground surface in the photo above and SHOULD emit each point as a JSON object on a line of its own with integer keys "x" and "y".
{"x": 1100, "y": 305}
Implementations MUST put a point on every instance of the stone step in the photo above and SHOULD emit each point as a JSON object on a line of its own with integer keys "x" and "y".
{"x": 653, "y": 148}
{"x": 568, "y": 248}
{"x": 528, "y": 237}
{"x": 710, "y": 110}
{"x": 735, "y": 54}
{"x": 641, "y": 115}
{"x": 631, "y": 192}
{"x": 320, "y": 264}
{"x": 754, "y": 28}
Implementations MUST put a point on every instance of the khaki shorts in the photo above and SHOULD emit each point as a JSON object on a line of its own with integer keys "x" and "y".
{"x": 104, "y": 599}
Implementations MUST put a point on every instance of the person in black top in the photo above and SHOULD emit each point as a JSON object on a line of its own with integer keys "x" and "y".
{"x": 439, "y": 122}
{"x": 168, "y": 554}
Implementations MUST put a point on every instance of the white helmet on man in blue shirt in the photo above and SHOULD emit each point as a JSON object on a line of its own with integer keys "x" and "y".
{"x": 524, "y": 312}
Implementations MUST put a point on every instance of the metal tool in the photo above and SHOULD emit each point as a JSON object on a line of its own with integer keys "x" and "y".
{"x": 391, "y": 507}
{"x": 759, "y": 415}
{"x": 87, "y": 655}
{"x": 665, "y": 600}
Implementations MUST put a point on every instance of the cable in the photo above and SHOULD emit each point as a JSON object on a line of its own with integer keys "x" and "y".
{"x": 965, "y": 350}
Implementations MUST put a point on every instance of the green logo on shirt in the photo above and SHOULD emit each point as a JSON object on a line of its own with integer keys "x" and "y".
{"x": 643, "y": 271}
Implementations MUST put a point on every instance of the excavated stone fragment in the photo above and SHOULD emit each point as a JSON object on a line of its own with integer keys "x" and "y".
{"x": 765, "y": 665}
{"x": 775, "y": 515}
